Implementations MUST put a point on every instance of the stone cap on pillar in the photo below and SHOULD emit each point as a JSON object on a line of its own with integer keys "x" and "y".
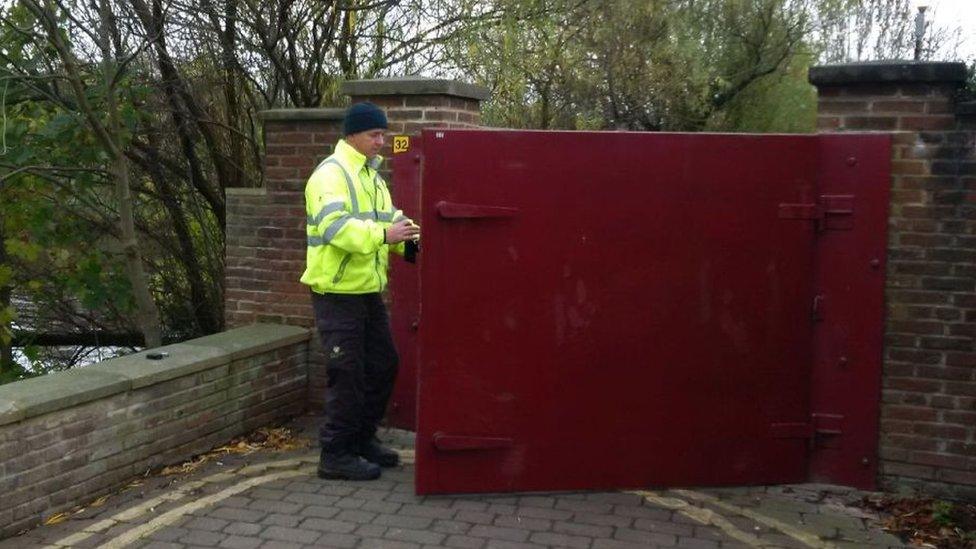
{"x": 878, "y": 72}
{"x": 414, "y": 85}
{"x": 288, "y": 115}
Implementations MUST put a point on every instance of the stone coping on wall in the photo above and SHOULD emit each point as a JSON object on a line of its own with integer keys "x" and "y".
{"x": 287, "y": 115}
{"x": 414, "y": 85}
{"x": 32, "y": 397}
{"x": 890, "y": 71}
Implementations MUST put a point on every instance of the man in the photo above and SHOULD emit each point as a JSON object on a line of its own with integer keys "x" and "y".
{"x": 352, "y": 225}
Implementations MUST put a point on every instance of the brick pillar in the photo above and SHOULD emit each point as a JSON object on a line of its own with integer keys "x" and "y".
{"x": 928, "y": 411}
{"x": 412, "y": 104}
{"x": 266, "y": 226}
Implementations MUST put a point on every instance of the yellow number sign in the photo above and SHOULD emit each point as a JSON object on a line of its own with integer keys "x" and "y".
{"x": 401, "y": 143}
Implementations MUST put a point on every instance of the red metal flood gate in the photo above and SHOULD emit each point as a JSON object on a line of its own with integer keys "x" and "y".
{"x": 610, "y": 310}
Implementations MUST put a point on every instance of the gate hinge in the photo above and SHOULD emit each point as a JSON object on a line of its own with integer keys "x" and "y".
{"x": 831, "y": 211}
{"x": 820, "y": 426}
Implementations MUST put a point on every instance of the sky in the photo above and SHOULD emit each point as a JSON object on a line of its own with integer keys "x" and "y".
{"x": 955, "y": 13}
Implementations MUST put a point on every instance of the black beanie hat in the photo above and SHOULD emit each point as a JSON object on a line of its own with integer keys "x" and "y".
{"x": 362, "y": 117}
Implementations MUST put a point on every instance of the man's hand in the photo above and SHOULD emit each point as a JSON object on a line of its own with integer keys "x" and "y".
{"x": 402, "y": 230}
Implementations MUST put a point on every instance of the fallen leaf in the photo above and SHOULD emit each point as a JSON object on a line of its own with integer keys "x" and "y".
{"x": 54, "y": 519}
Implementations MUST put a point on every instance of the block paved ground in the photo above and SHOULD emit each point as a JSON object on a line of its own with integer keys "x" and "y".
{"x": 274, "y": 500}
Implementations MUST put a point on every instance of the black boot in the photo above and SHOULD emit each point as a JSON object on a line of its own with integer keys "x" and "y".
{"x": 374, "y": 452}
{"x": 347, "y": 466}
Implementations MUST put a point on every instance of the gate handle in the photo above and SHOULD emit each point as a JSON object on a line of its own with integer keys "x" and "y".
{"x": 452, "y": 210}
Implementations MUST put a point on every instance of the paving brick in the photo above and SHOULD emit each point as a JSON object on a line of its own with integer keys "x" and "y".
{"x": 782, "y": 540}
{"x": 407, "y": 496}
{"x": 476, "y": 517}
{"x": 276, "y": 544}
{"x": 163, "y": 545}
{"x": 583, "y": 506}
{"x": 682, "y": 518}
{"x": 537, "y": 501}
{"x": 841, "y": 523}
{"x": 695, "y": 543}
{"x": 463, "y": 542}
{"x": 273, "y": 506}
{"x": 240, "y": 542}
{"x": 277, "y": 519}
{"x": 267, "y": 493}
{"x": 336, "y": 490}
{"x": 319, "y": 511}
{"x": 642, "y": 536}
{"x": 236, "y": 501}
{"x": 291, "y": 535}
{"x": 502, "y": 544}
{"x": 302, "y": 486}
{"x": 202, "y": 537}
{"x": 349, "y": 503}
{"x": 371, "y": 495}
{"x": 525, "y": 523}
{"x": 404, "y": 521}
{"x": 502, "y": 509}
{"x": 644, "y": 511}
{"x": 664, "y": 527}
{"x": 169, "y": 533}
{"x": 355, "y": 515}
{"x": 438, "y": 501}
{"x": 560, "y": 540}
{"x": 602, "y": 520}
{"x": 387, "y": 544}
{"x": 588, "y": 530}
{"x": 235, "y": 514}
{"x": 414, "y": 536}
{"x": 243, "y": 529}
{"x": 329, "y": 525}
{"x": 709, "y": 532}
{"x": 429, "y": 512}
{"x": 382, "y": 507}
{"x": 616, "y": 498}
{"x": 370, "y": 531}
{"x": 206, "y": 523}
{"x": 451, "y": 526}
{"x": 469, "y": 505}
{"x": 617, "y": 544}
{"x": 333, "y": 539}
{"x": 543, "y": 513}
{"x": 310, "y": 499}
{"x": 496, "y": 532}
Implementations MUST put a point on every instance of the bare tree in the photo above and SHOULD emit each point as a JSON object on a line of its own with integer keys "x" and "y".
{"x": 106, "y": 133}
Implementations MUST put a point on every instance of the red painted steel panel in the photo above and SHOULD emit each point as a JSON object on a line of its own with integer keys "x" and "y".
{"x": 641, "y": 315}
{"x": 846, "y": 383}
{"x": 405, "y": 293}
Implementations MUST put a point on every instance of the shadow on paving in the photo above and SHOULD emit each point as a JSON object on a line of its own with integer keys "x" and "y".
{"x": 274, "y": 500}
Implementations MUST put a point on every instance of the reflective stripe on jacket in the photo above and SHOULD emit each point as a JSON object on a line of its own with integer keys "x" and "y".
{"x": 347, "y": 208}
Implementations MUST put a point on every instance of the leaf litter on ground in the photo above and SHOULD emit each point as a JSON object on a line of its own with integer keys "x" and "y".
{"x": 275, "y": 439}
{"x": 925, "y": 521}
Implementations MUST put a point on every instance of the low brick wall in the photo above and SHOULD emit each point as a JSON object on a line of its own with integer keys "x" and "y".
{"x": 69, "y": 437}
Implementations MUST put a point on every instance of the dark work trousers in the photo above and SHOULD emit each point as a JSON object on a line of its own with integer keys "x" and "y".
{"x": 361, "y": 367}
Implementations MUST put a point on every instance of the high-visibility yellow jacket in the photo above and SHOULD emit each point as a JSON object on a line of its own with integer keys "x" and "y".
{"x": 348, "y": 207}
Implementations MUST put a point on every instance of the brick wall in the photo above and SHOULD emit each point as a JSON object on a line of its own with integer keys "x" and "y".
{"x": 69, "y": 437}
{"x": 266, "y": 227}
{"x": 928, "y": 412}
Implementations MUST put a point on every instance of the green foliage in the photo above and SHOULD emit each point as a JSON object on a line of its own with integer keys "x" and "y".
{"x": 942, "y": 513}
{"x": 631, "y": 64}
